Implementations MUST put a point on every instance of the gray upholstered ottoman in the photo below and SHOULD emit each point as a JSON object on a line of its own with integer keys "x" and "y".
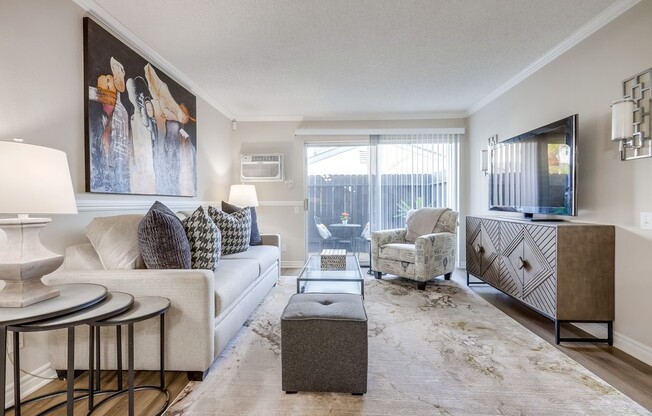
{"x": 324, "y": 343}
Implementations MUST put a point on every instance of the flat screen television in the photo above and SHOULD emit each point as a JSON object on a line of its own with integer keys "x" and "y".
{"x": 535, "y": 172}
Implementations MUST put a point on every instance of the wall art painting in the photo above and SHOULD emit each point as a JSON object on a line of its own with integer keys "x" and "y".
{"x": 141, "y": 128}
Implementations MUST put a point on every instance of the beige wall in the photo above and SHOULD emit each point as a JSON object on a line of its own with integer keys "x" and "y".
{"x": 281, "y": 209}
{"x": 41, "y": 101}
{"x": 585, "y": 80}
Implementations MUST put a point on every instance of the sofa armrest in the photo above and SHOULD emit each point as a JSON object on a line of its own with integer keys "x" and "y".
{"x": 272, "y": 240}
{"x": 382, "y": 237}
{"x": 435, "y": 255}
{"x": 432, "y": 242}
{"x": 191, "y": 315}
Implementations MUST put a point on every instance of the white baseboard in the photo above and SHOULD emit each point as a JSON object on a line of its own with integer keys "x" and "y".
{"x": 292, "y": 264}
{"x": 29, "y": 384}
{"x": 624, "y": 343}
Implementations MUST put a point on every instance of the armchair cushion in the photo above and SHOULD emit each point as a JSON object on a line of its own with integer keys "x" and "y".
{"x": 398, "y": 252}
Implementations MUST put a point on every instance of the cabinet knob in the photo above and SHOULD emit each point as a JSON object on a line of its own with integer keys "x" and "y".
{"x": 523, "y": 263}
{"x": 479, "y": 249}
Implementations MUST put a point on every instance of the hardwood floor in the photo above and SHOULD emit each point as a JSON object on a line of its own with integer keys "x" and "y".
{"x": 146, "y": 402}
{"x": 627, "y": 374}
{"x": 630, "y": 376}
{"x": 624, "y": 372}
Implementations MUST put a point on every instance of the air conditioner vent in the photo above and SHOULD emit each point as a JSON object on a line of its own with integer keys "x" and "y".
{"x": 261, "y": 167}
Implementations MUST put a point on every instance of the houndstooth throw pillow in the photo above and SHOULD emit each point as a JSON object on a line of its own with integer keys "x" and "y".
{"x": 204, "y": 238}
{"x": 235, "y": 229}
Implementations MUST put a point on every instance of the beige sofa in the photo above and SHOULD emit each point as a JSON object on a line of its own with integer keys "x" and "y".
{"x": 208, "y": 308}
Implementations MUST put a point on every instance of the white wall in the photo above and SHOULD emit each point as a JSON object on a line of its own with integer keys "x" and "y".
{"x": 41, "y": 101}
{"x": 277, "y": 212}
{"x": 585, "y": 80}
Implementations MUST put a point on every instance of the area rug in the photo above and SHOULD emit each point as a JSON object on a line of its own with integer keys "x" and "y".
{"x": 442, "y": 351}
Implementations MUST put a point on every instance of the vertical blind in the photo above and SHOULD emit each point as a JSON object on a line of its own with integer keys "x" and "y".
{"x": 411, "y": 171}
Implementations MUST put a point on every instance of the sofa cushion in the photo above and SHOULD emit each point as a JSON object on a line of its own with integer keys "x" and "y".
{"x": 398, "y": 252}
{"x": 204, "y": 238}
{"x": 235, "y": 229}
{"x": 232, "y": 278}
{"x": 255, "y": 239}
{"x": 163, "y": 241}
{"x": 115, "y": 240}
{"x": 266, "y": 256}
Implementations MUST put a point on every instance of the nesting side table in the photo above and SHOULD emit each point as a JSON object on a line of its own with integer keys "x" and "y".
{"x": 113, "y": 303}
{"x": 72, "y": 297}
{"x": 142, "y": 309}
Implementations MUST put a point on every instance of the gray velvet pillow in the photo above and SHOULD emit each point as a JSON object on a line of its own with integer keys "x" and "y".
{"x": 162, "y": 239}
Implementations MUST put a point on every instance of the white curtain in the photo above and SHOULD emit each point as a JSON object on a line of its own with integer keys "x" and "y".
{"x": 410, "y": 171}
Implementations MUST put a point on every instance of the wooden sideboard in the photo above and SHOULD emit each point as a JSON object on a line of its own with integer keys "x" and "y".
{"x": 564, "y": 270}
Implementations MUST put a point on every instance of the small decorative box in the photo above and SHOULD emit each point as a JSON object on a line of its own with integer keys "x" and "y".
{"x": 333, "y": 259}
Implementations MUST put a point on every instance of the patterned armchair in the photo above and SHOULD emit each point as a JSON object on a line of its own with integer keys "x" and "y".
{"x": 415, "y": 255}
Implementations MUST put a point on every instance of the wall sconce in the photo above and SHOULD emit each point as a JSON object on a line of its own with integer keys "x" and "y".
{"x": 484, "y": 154}
{"x": 630, "y": 118}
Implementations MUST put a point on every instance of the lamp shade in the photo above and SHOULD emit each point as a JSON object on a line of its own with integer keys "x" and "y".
{"x": 243, "y": 196}
{"x": 34, "y": 179}
{"x": 622, "y": 119}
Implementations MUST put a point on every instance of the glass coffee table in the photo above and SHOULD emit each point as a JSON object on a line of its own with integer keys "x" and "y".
{"x": 315, "y": 280}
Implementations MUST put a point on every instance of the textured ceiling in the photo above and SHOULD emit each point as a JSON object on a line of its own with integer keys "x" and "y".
{"x": 351, "y": 58}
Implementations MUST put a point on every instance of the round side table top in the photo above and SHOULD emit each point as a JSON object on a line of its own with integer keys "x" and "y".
{"x": 113, "y": 304}
{"x": 72, "y": 297}
{"x": 142, "y": 309}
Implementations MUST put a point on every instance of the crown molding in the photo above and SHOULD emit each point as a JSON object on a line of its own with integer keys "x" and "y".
{"x": 370, "y": 132}
{"x": 578, "y": 36}
{"x": 357, "y": 117}
{"x": 128, "y": 36}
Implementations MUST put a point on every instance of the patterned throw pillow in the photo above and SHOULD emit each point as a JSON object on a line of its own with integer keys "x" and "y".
{"x": 204, "y": 238}
{"x": 235, "y": 229}
{"x": 255, "y": 239}
{"x": 162, "y": 239}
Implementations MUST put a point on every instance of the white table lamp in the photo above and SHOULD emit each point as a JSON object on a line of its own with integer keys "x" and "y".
{"x": 243, "y": 196}
{"x": 33, "y": 180}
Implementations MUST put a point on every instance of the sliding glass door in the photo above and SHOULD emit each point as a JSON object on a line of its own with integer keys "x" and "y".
{"x": 355, "y": 188}
{"x": 337, "y": 191}
{"x": 412, "y": 171}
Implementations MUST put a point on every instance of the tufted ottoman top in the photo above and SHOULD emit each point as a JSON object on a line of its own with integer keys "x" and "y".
{"x": 325, "y": 306}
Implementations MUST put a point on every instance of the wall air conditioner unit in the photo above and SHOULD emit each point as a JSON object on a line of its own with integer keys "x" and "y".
{"x": 267, "y": 167}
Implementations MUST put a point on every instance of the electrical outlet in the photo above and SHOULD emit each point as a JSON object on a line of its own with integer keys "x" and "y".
{"x": 646, "y": 220}
{"x": 10, "y": 341}
{"x": 284, "y": 247}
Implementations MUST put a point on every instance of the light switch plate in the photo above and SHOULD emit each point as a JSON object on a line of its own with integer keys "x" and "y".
{"x": 646, "y": 220}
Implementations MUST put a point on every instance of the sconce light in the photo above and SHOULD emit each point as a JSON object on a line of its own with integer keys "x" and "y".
{"x": 484, "y": 154}
{"x": 630, "y": 118}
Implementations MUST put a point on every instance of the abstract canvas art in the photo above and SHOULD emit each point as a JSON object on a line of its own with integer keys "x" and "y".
{"x": 141, "y": 127}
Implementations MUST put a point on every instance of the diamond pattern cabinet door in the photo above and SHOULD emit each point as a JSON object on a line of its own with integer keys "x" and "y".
{"x": 490, "y": 231}
{"x": 473, "y": 239}
{"x": 511, "y": 249}
{"x": 482, "y": 238}
{"x": 539, "y": 273}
